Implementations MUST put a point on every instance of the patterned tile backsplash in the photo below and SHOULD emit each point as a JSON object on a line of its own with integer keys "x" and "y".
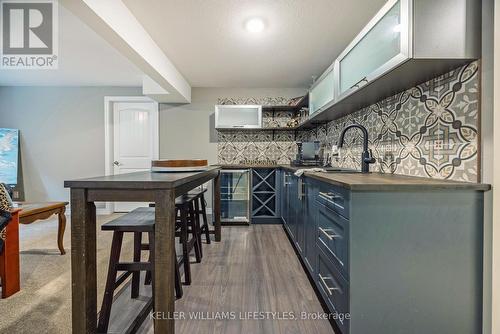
{"x": 235, "y": 146}
{"x": 430, "y": 130}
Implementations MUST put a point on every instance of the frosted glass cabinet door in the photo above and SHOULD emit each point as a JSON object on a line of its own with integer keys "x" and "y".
{"x": 382, "y": 45}
{"x": 238, "y": 116}
{"x": 322, "y": 92}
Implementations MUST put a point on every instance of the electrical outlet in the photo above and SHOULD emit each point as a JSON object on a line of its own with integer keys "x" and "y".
{"x": 15, "y": 194}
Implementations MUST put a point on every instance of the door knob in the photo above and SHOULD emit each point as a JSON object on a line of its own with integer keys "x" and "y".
{"x": 116, "y": 163}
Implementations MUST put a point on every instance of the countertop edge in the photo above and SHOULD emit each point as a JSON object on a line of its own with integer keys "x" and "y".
{"x": 327, "y": 178}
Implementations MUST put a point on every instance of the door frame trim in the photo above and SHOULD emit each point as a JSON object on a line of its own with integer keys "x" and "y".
{"x": 109, "y": 101}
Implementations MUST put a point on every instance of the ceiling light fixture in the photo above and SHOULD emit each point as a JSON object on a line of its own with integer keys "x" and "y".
{"x": 255, "y": 25}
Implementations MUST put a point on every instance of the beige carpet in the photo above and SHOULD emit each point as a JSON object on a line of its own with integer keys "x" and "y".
{"x": 44, "y": 303}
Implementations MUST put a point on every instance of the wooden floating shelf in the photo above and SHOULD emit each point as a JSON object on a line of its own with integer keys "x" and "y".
{"x": 303, "y": 102}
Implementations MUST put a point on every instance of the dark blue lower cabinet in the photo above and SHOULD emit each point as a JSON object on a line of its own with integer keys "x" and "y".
{"x": 300, "y": 219}
{"x": 299, "y": 216}
{"x": 303, "y": 214}
{"x": 335, "y": 290}
{"x": 333, "y": 235}
{"x": 391, "y": 261}
{"x": 292, "y": 206}
{"x": 285, "y": 200}
{"x": 310, "y": 209}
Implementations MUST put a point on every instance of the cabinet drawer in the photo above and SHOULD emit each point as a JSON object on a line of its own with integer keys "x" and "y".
{"x": 333, "y": 236}
{"x": 335, "y": 290}
{"x": 335, "y": 198}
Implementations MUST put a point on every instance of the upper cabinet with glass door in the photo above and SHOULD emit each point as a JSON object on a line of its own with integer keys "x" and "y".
{"x": 407, "y": 42}
{"x": 238, "y": 116}
{"x": 321, "y": 94}
{"x": 382, "y": 45}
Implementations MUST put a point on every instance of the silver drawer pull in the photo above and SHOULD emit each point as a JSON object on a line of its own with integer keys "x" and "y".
{"x": 329, "y": 236}
{"x": 285, "y": 179}
{"x": 323, "y": 280}
{"x": 329, "y": 196}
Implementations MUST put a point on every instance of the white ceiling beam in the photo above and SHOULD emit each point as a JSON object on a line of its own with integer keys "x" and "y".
{"x": 112, "y": 20}
{"x": 151, "y": 89}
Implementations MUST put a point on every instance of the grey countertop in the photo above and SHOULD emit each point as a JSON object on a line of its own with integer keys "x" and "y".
{"x": 376, "y": 181}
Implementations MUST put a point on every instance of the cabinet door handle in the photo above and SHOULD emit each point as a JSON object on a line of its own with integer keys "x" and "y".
{"x": 329, "y": 289}
{"x": 300, "y": 189}
{"x": 356, "y": 85}
{"x": 328, "y": 196}
{"x": 329, "y": 236}
{"x": 284, "y": 180}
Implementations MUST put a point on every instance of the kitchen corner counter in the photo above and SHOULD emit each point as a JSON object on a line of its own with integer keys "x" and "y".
{"x": 387, "y": 182}
{"x": 375, "y": 181}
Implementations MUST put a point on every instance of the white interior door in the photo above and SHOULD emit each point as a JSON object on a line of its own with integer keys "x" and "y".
{"x": 135, "y": 141}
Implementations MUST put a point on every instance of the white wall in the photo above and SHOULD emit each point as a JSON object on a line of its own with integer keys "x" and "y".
{"x": 62, "y": 134}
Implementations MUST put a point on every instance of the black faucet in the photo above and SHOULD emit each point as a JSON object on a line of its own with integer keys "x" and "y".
{"x": 367, "y": 155}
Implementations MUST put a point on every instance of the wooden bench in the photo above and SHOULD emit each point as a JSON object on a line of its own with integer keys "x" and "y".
{"x": 31, "y": 212}
{"x": 9, "y": 257}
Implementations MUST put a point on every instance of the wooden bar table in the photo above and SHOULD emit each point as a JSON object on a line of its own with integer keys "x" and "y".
{"x": 160, "y": 188}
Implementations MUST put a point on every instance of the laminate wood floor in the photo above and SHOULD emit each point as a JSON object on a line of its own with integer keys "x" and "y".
{"x": 253, "y": 269}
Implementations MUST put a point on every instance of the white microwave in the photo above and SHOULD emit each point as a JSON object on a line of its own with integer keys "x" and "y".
{"x": 238, "y": 116}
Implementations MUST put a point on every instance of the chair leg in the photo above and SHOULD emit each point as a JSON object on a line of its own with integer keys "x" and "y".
{"x": 195, "y": 232}
{"x": 136, "y": 275}
{"x": 205, "y": 226}
{"x": 185, "y": 249}
{"x": 107, "y": 300}
{"x": 148, "y": 278}
{"x": 198, "y": 225}
{"x": 151, "y": 237}
{"x": 178, "y": 285}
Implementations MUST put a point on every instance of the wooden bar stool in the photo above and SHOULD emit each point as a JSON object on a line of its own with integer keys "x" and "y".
{"x": 201, "y": 209}
{"x": 186, "y": 221}
{"x": 138, "y": 221}
{"x": 185, "y": 226}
